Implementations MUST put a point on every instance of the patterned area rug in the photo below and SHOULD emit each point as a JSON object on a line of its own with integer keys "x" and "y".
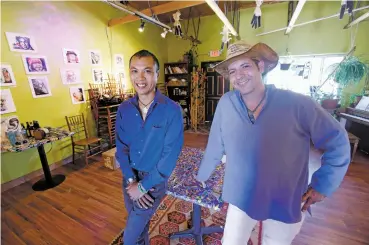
{"x": 174, "y": 215}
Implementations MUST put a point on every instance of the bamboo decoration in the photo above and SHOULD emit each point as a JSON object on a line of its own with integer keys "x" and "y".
{"x": 197, "y": 98}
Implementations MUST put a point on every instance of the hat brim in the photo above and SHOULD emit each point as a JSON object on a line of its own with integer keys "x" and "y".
{"x": 259, "y": 51}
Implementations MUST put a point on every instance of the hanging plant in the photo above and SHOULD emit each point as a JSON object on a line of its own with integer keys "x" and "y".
{"x": 350, "y": 72}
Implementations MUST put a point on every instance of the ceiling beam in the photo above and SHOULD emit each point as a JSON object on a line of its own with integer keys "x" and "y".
{"x": 357, "y": 20}
{"x": 160, "y": 9}
{"x": 295, "y": 15}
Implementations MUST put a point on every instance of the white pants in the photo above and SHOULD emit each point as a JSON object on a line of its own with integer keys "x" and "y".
{"x": 239, "y": 225}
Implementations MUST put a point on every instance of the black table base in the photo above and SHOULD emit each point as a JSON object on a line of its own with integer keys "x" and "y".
{"x": 49, "y": 181}
{"x": 197, "y": 231}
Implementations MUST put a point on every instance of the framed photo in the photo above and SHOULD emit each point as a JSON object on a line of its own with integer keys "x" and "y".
{"x": 119, "y": 60}
{"x": 98, "y": 75}
{"x": 19, "y": 42}
{"x": 7, "y": 76}
{"x": 39, "y": 86}
{"x": 120, "y": 77}
{"x": 71, "y": 56}
{"x": 35, "y": 64}
{"x": 77, "y": 94}
{"x": 6, "y": 102}
{"x": 95, "y": 57}
{"x": 70, "y": 76}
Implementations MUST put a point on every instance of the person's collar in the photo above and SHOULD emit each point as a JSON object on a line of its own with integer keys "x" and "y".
{"x": 159, "y": 98}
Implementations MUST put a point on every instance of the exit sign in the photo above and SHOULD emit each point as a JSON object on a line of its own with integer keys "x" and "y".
{"x": 214, "y": 53}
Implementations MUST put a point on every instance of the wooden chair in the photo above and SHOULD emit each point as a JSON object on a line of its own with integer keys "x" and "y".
{"x": 80, "y": 140}
{"x": 355, "y": 141}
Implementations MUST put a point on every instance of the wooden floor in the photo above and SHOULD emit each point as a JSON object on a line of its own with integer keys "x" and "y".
{"x": 88, "y": 208}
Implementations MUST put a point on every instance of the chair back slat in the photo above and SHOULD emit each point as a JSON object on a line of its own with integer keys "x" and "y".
{"x": 77, "y": 125}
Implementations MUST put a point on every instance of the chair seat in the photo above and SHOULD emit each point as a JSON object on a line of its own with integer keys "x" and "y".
{"x": 87, "y": 141}
{"x": 353, "y": 138}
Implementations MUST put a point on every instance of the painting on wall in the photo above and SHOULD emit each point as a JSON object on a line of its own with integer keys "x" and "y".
{"x": 120, "y": 77}
{"x": 39, "y": 86}
{"x": 71, "y": 56}
{"x": 77, "y": 94}
{"x": 95, "y": 57}
{"x": 97, "y": 75}
{"x": 7, "y": 76}
{"x": 6, "y": 102}
{"x": 119, "y": 60}
{"x": 19, "y": 42}
{"x": 70, "y": 75}
{"x": 35, "y": 64}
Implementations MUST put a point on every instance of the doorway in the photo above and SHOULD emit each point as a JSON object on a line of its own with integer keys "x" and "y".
{"x": 216, "y": 86}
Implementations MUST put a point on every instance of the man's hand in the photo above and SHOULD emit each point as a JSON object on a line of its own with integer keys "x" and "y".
{"x": 133, "y": 191}
{"x": 311, "y": 197}
{"x": 145, "y": 201}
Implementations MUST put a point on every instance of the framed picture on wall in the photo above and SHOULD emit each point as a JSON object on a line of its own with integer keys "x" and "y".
{"x": 119, "y": 60}
{"x": 35, "y": 64}
{"x": 39, "y": 87}
{"x": 7, "y": 76}
{"x": 71, "y": 56}
{"x": 6, "y": 102}
{"x": 20, "y": 42}
{"x": 98, "y": 75}
{"x": 77, "y": 94}
{"x": 95, "y": 57}
{"x": 70, "y": 76}
{"x": 120, "y": 77}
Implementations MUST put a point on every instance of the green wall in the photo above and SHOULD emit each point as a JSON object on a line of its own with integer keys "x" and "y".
{"x": 57, "y": 25}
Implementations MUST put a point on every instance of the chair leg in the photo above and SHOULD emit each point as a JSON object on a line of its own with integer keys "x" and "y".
{"x": 73, "y": 154}
{"x": 101, "y": 149}
{"x": 86, "y": 159}
{"x": 354, "y": 151}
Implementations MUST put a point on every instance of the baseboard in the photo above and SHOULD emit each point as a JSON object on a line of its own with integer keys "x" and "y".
{"x": 15, "y": 182}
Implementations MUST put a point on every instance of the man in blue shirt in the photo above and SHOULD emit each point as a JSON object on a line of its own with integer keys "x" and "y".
{"x": 265, "y": 134}
{"x": 149, "y": 139}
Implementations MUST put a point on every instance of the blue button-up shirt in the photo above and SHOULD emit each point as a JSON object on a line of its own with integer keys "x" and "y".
{"x": 150, "y": 146}
{"x": 267, "y": 167}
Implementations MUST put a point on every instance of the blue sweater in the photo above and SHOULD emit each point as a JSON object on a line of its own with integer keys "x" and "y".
{"x": 267, "y": 169}
{"x": 153, "y": 145}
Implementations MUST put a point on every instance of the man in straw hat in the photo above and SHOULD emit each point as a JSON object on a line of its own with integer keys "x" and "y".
{"x": 265, "y": 134}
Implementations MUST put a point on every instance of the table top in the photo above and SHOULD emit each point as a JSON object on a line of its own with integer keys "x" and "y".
{"x": 182, "y": 183}
{"x": 54, "y": 134}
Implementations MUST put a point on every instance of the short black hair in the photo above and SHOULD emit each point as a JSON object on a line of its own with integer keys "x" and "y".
{"x": 146, "y": 53}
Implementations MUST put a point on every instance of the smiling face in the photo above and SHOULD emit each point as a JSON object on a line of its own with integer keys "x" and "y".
{"x": 245, "y": 75}
{"x": 144, "y": 74}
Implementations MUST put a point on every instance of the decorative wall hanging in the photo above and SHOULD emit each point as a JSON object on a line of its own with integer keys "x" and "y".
{"x": 6, "y": 102}
{"x": 177, "y": 24}
{"x": 19, "y": 42}
{"x": 95, "y": 57}
{"x": 256, "y": 19}
{"x": 7, "y": 76}
{"x": 77, "y": 94}
{"x": 226, "y": 37}
{"x": 346, "y": 4}
{"x": 119, "y": 60}
{"x": 97, "y": 75}
{"x": 39, "y": 86}
{"x": 70, "y": 76}
{"x": 35, "y": 64}
{"x": 71, "y": 56}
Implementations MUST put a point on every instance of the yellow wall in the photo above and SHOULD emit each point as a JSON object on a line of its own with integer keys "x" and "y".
{"x": 57, "y": 25}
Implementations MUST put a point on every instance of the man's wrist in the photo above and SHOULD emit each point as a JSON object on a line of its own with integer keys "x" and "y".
{"x": 131, "y": 180}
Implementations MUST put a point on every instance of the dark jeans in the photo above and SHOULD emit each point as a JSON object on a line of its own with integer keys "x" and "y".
{"x": 137, "y": 226}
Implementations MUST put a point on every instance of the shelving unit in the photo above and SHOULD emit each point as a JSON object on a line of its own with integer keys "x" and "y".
{"x": 178, "y": 85}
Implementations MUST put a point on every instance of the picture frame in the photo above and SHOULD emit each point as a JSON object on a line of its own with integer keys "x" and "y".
{"x": 7, "y": 76}
{"x": 6, "y": 102}
{"x": 95, "y": 57}
{"x": 119, "y": 60}
{"x": 77, "y": 94}
{"x": 71, "y": 56}
{"x": 120, "y": 77}
{"x": 21, "y": 42}
{"x": 35, "y": 64}
{"x": 70, "y": 76}
{"x": 98, "y": 75}
{"x": 39, "y": 86}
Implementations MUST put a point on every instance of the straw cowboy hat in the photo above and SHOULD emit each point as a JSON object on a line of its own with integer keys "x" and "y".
{"x": 240, "y": 49}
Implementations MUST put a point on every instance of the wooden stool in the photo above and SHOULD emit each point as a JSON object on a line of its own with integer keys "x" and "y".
{"x": 353, "y": 140}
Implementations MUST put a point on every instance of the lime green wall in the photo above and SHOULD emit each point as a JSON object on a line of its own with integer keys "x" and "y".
{"x": 57, "y": 25}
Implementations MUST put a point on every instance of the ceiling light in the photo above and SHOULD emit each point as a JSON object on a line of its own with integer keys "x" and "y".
{"x": 163, "y": 34}
{"x": 142, "y": 26}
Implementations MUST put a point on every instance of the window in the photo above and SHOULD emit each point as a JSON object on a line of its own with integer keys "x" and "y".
{"x": 305, "y": 74}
